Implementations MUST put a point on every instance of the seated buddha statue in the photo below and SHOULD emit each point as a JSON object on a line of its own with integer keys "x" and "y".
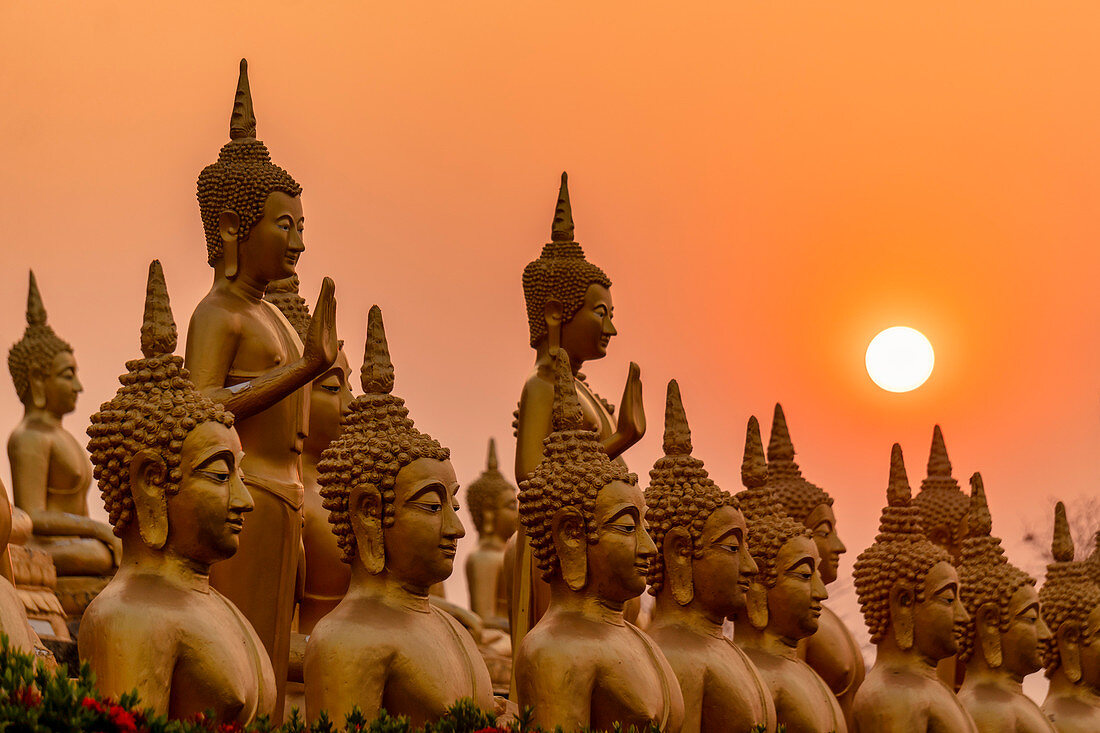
{"x": 491, "y": 500}
{"x": 50, "y": 470}
{"x": 782, "y": 602}
{"x": 569, "y": 306}
{"x": 909, "y": 593}
{"x": 1069, "y": 604}
{"x": 326, "y": 574}
{"x": 1003, "y": 641}
{"x": 699, "y": 577}
{"x": 167, "y": 460}
{"x": 13, "y": 617}
{"x": 831, "y": 651}
{"x": 390, "y": 492}
{"x": 583, "y": 664}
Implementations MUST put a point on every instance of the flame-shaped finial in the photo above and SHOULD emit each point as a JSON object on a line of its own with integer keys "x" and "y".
{"x": 780, "y": 447}
{"x": 938, "y": 462}
{"x": 36, "y": 312}
{"x": 754, "y": 467}
{"x": 567, "y": 412}
{"x": 377, "y": 372}
{"x": 1061, "y": 546}
{"x": 158, "y": 327}
{"x": 242, "y": 123}
{"x": 491, "y": 463}
{"x": 677, "y": 433}
{"x": 898, "y": 492}
{"x": 981, "y": 523}
{"x": 562, "y": 228}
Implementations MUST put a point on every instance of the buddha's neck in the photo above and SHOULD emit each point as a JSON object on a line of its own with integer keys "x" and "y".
{"x": 1062, "y": 686}
{"x": 140, "y": 559}
{"x": 892, "y": 655}
{"x": 690, "y": 617}
{"x": 42, "y": 415}
{"x": 978, "y": 671}
{"x": 584, "y": 603}
{"x": 244, "y": 285}
{"x": 386, "y": 588}
{"x": 543, "y": 358}
{"x": 490, "y": 541}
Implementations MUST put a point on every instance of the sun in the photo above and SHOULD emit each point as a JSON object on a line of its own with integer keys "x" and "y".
{"x": 900, "y": 359}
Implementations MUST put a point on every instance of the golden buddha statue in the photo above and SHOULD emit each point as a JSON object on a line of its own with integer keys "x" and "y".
{"x": 492, "y": 502}
{"x": 326, "y": 574}
{"x": 50, "y": 470}
{"x": 831, "y": 651}
{"x": 782, "y": 602}
{"x": 390, "y": 492}
{"x": 167, "y": 462}
{"x": 584, "y": 664}
{"x": 244, "y": 355}
{"x": 13, "y": 617}
{"x": 1069, "y": 603}
{"x": 1003, "y": 640}
{"x": 569, "y": 307}
{"x": 909, "y": 593}
{"x": 942, "y": 504}
{"x": 699, "y": 577}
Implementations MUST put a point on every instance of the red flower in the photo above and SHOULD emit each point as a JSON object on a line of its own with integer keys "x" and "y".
{"x": 122, "y": 719}
{"x": 91, "y": 703}
{"x": 28, "y": 696}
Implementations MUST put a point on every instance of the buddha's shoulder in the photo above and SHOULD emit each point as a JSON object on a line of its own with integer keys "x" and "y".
{"x": 359, "y": 628}
{"x": 33, "y": 433}
{"x": 686, "y": 649}
{"x": 539, "y": 385}
{"x": 554, "y": 638}
{"x": 218, "y": 310}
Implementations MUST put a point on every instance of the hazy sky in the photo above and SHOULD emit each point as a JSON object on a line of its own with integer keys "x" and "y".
{"x": 768, "y": 185}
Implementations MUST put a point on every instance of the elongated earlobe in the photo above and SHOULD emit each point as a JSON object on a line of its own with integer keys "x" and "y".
{"x": 677, "y": 552}
{"x": 901, "y": 616}
{"x": 229, "y": 224}
{"x": 365, "y": 512}
{"x": 148, "y": 473}
{"x": 571, "y": 543}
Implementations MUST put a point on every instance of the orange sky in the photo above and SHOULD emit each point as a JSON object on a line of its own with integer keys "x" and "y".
{"x": 767, "y": 184}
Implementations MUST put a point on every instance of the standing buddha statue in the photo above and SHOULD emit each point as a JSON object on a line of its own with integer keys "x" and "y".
{"x": 1003, "y": 641}
{"x": 569, "y": 307}
{"x": 831, "y": 651}
{"x": 166, "y": 459}
{"x": 699, "y": 577}
{"x": 390, "y": 493}
{"x": 491, "y": 499}
{"x": 909, "y": 593}
{"x": 1069, "y": 603}
{"x": 584, "y": 664}
{"x": 783, "y": 602}
{"x": 50, "y": 471}
{"x": 244, "y": 355}
{"x": 326, "y": 574}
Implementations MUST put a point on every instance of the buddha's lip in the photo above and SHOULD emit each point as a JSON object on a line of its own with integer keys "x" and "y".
{"x": 449, "y": 550}
{"x": 815, "y": 610}
{"x": 235, "y": 524}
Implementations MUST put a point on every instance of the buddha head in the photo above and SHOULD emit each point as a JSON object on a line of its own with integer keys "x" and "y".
{"x": 803, "y": 501}
{"x": 330, "y": 393}
{"x": 389, "y": 488}
{"x": 568, "y": 298}
{"x": 492, "y": 501}
{"x": 786, "y": 594}
{"x": 251, "y": 208}
{"x": 583, "y": 513}
{"x": 1004, "y": 625}
{"x": 167, "y": 458}
{"x": 907, "y": 588}
{"x": 41, "y": 364}
{"x": 701, "y": 536}
{"x": 942, "y": 504}
{"x": 1070, "y": 606}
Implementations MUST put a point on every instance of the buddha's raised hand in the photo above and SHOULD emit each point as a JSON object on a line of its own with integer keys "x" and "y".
{"x": 631, "y": 424}
{"x": 322, "y": 346}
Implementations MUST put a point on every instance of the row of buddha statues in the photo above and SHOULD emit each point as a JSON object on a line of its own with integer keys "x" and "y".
{"x": 271, "y": 535}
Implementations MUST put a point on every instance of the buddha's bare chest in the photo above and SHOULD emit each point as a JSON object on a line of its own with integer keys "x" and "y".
{"x": 266, "y": 343}
{"x": 431, "y": 671}
{"x": 629, "y": 687}
{"x": 734, "y": 697}
{"x": 1030, "y": 719}
{"x": 832, "y": 653}
{"x": 70, "y": 473}
{"x": 802, "y": 700}
{"x": 221, "y": 667}
{"x": 946, "y": 714}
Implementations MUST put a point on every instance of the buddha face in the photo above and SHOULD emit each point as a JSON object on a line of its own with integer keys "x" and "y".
{"x": 56, "y": 390}
{"x": 936, "y": 618}
{"x": 619, "y": 560}
{"x": 794, "y": 602}
{"x": 421, "y": 544}
{"x": 329, "y": 400}
{"x": 822, "y": 523}
{"x": 721, "y": 576}
{"x": 206, "y": 515}
{"x": 1020, "y": 648}
{"x": 275, "y": 243}
{"x": 1090, "y": 651}
{"x": 505, "y": 515}
{"x": 585, "y": 336}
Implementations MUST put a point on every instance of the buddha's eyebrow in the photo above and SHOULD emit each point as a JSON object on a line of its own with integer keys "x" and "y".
{"x": 623, "y": 509}
{"x": 807, "y": 561}
{"x": 1028, "y": 607}
{"x": 731, "y": 532}
{"x": 434, "y": 486}
{"x": 949, "y": 586}
{"x": 218, "y": 454}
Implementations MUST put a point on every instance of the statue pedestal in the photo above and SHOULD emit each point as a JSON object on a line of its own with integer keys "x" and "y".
{"x": 77, "y": 591}
{"x": 35, "y": 582}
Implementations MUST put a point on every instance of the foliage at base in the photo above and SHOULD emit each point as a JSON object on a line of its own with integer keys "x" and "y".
{"x": 34, "y": 700}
